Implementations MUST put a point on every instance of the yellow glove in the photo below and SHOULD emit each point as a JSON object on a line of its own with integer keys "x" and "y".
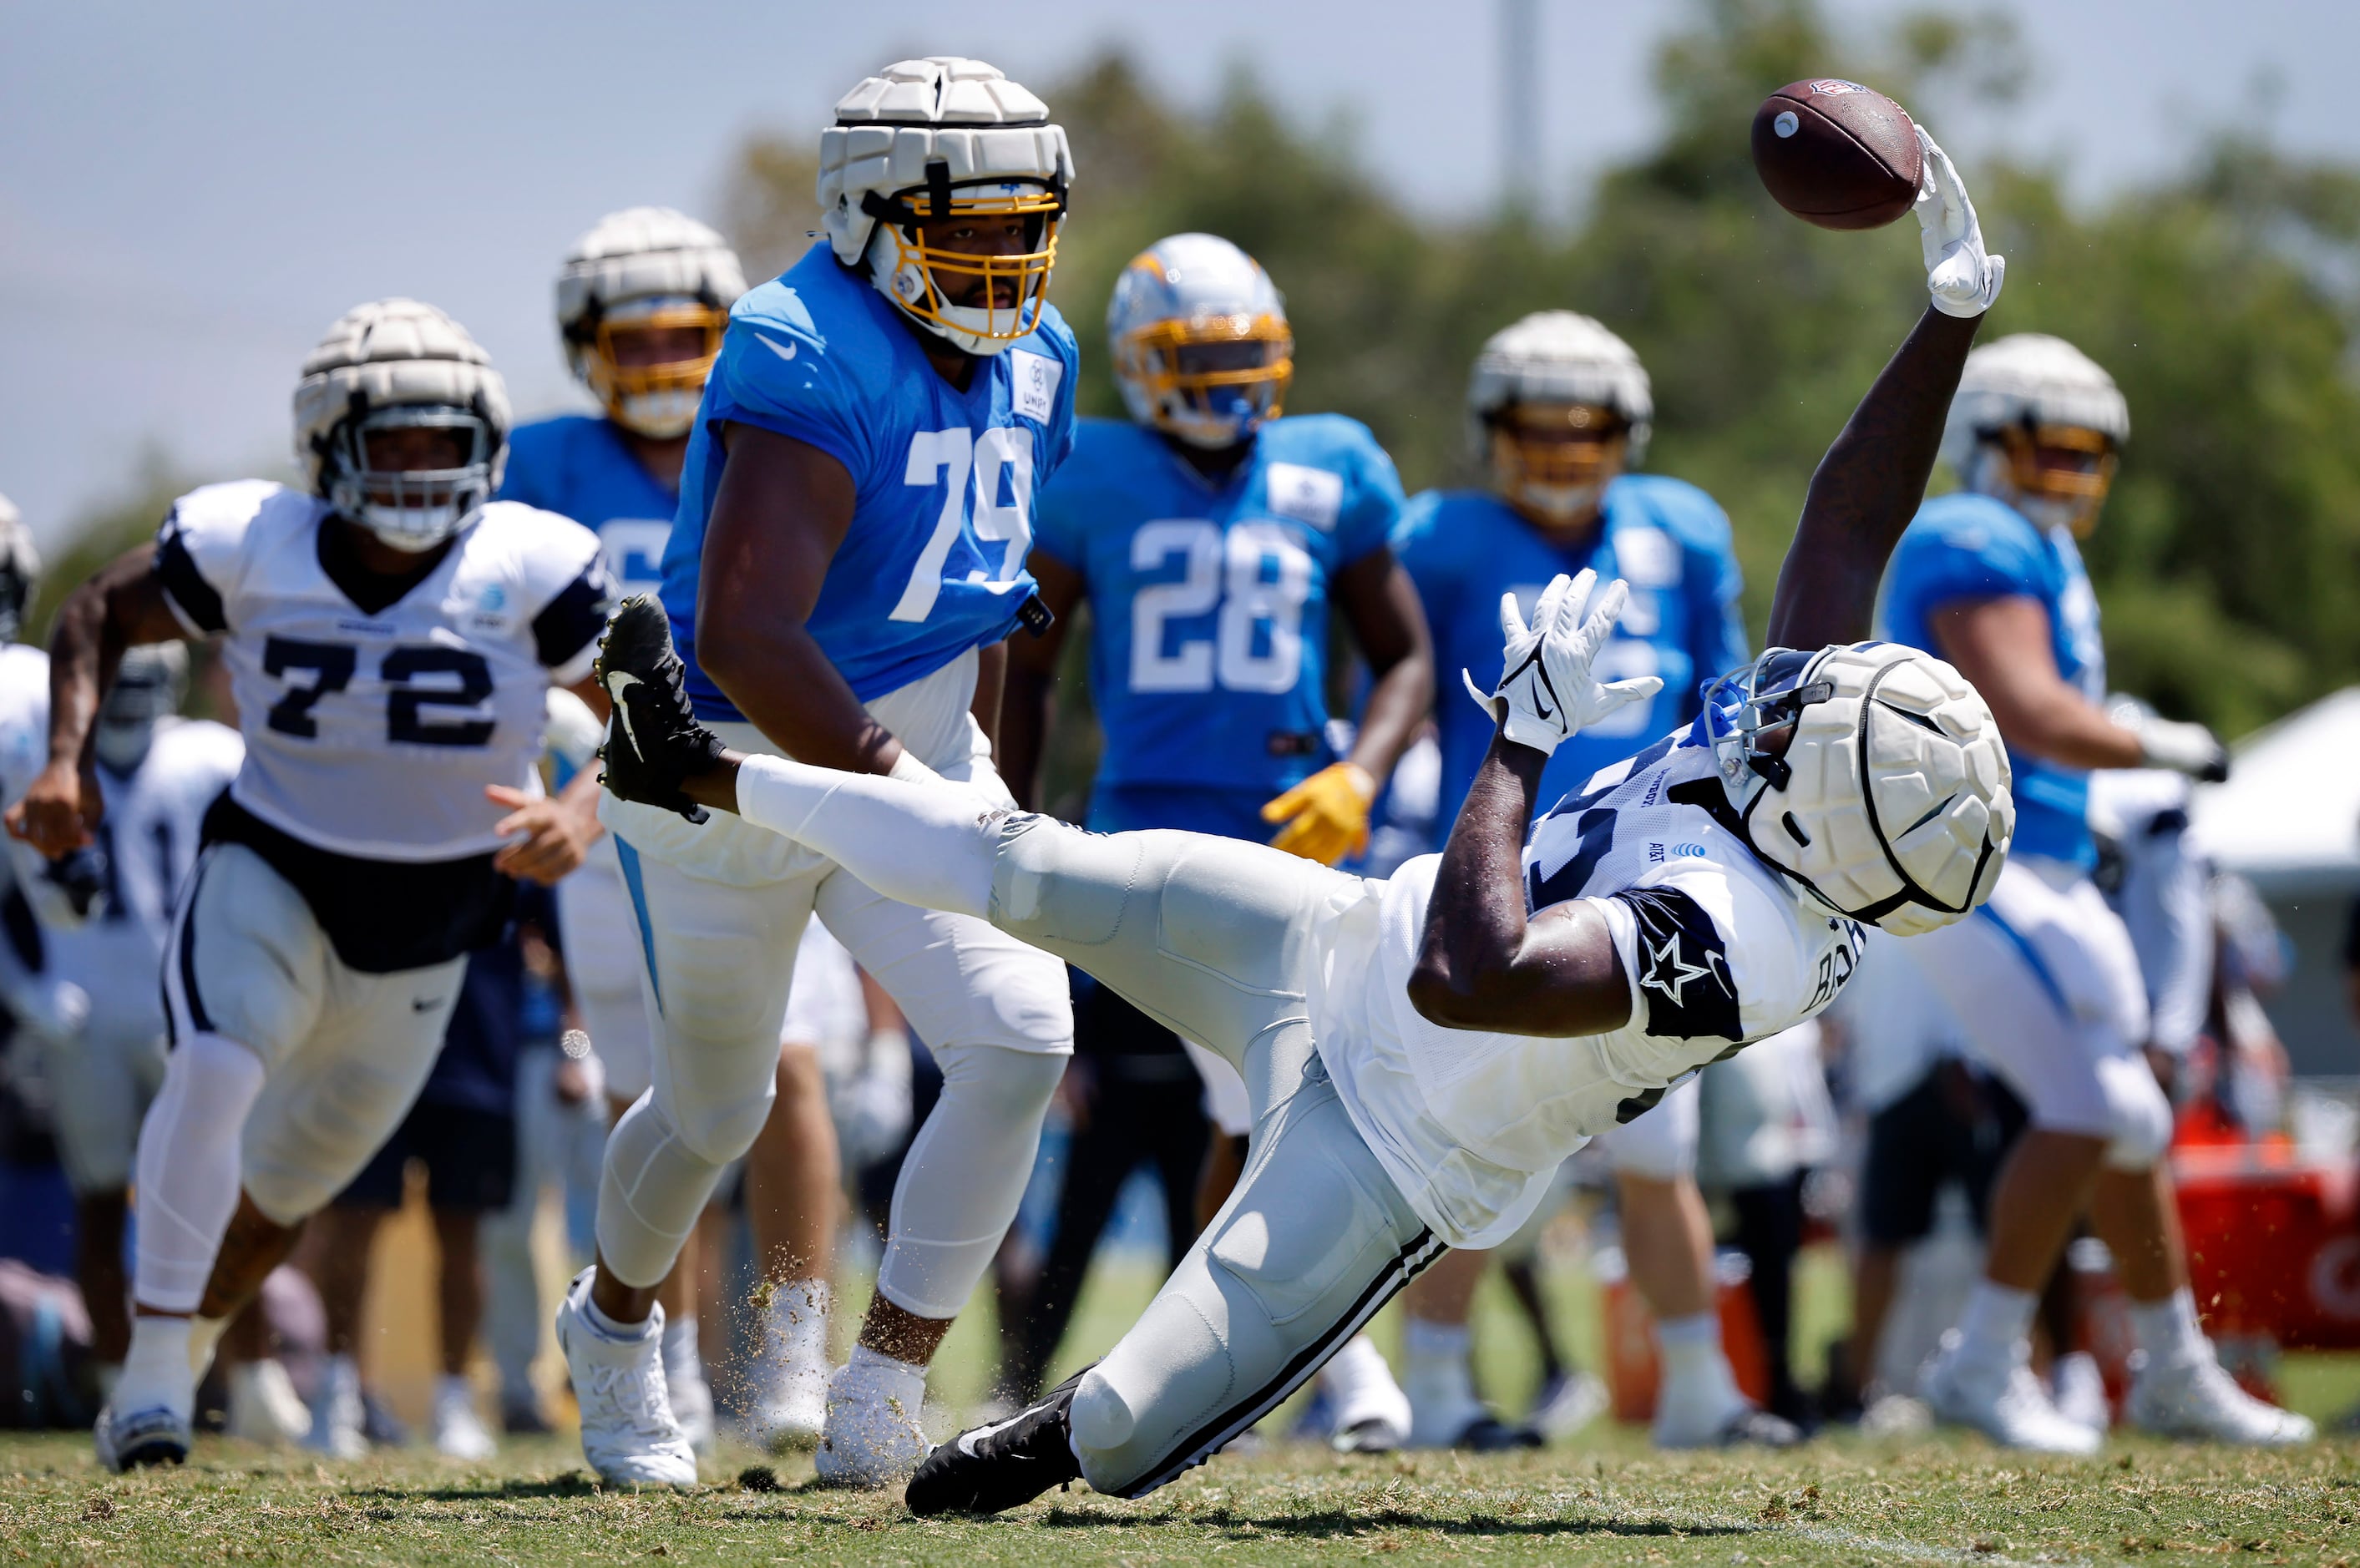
{"x": 1327, "y": 815}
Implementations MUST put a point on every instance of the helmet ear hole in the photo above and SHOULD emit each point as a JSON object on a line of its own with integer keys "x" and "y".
{"x": 1795, "y": 830}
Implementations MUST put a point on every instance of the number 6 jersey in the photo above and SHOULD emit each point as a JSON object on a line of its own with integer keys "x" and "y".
{"x": 372, "y": 733}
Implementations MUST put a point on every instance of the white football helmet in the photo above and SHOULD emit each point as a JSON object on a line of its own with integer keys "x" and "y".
{"x": 2039, "y": 424}
{"x": 934, "y": 138}
{"x": 1201, "y": 347}
{"x": 150, "y": 684}
{"x": 1575, "y": 370}
{"x": 20, "y": 570}
{"x": 1872, "y": 774}
{"x": 395, "y": 364}
{"x": 646, "y": 269}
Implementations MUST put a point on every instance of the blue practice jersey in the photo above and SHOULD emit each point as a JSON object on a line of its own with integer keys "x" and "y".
{"x": 1208, "y": 607}
{"x": 944, "y": 481}
{"x": 577, "y": 466}
{"x": 1665, "y": 537}
{"x": 1965, "y": 547}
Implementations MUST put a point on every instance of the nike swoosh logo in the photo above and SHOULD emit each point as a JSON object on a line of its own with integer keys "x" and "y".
{"x": 784, "y": 350}
{"x": 968, "y": 1440}
{"x": 618, "y": 682}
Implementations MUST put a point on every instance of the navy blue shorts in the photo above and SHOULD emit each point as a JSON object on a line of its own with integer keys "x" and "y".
{"x": 469, "y": 1155}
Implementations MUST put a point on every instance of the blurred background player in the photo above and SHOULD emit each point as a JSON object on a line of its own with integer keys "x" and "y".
{"x": 1557, "y": 409}
{"x": 390, "y": 636}
{"x": 158, "y": 773}
{"x": 1209, "y": 536}
{"x": 856, "y": 500}
{"x": 642, "y": 299}
{"x": 2043, "y": 980}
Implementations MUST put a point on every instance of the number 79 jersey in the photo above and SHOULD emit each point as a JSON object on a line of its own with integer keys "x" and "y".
{"x": 944, "y": 478}
{"x": 373, "y": 733}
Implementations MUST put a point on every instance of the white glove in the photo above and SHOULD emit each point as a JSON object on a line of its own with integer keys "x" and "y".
{"x": 2184, "y": 748}
{"x": 1546, "y": 689}
{"x": 1963, "y": 277}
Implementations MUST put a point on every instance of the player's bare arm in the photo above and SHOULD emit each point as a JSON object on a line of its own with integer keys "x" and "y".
{"x": 1388, "y": 623}
{"x": 122, "y": 603}
{"x": 2003, "y": 645}
{"x": 781, "y": 512}
{"x": 1032, "y": 678}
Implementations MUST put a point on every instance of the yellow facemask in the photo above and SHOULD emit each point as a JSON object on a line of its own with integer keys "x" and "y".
{"x": 2064, "y": 470}
{"x": 658, "y": 400}
{"x": 1212, "y": 380}
{"x": 1556, "y": 459}
{"x": 922, "y": 276}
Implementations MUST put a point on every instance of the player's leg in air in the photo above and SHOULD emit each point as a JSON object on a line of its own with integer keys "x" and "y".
{"x": 848, "y": 552}
{"x": 642, "y": 299}
{"x": 1422, "y": 1053}
{"x": 1559, "y": 410}
{"x": 390, "y": 636}
{"x": 2043, "y": 981}
{"x": 1214, "y": 706}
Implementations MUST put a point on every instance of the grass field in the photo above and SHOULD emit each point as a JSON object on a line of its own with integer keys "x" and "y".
{"x": 1603, "y": 1497}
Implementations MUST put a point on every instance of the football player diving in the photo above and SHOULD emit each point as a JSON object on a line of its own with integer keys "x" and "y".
{"x": 1422, "y": 1051}
{"x": 856, "y": 503}
{"x": 1210, "y": 535}
{"x": 391, "y": 634}
{"x": 2044, "y": 982}
{"x": 1559, "y": 408}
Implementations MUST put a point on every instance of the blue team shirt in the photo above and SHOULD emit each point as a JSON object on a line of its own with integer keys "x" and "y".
{"x": 1667, "y": 538}
{"x": 945, "y": 481}
{"x": 1965, "y": 547}
{"x": 577, "y": 466}
{"x": 1209, "y": 625}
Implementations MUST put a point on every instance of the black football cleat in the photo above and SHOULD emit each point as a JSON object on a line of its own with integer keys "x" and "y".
{"x": 653, "y": 741}
{"x": 990, "y": 1469}
{"x": 1487, "y": 1434}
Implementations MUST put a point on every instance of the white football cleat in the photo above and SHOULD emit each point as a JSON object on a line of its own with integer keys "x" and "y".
{"x": 1567, "y": 1402}
{"x": 264, "y": 1407}
{"x": 790, "y": 1406}
{"x": 2001, "y": 1400}
{"x": 869, "y": 1436}
{"x": 628, "y": 1432}
{"x": 1370, "y": 1414}
{"x": 2197, "y": 1399}
{"x": 2079, "y": 1391}
{"x": 459, "y": 1432}
{"x": 154, "y": 1435}
{"x": 339, "y": 1420}
{"x": 692, "y": 1404}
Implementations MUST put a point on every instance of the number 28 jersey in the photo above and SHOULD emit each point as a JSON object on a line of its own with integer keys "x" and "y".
{"x": 372, "y": 734}
{"x": 1209, "y": 599}
{"x": 944, "y": 480}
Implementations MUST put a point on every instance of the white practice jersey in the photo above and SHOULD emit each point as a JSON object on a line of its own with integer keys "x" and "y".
{"x": 2159, "y": 883}
{"x": 24, "y": 719}
{"x": 373, "y": 733}
{"x": 155, "y": 818}
{"x": 1721, "y": 952}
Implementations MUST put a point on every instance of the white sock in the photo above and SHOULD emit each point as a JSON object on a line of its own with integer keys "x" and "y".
{"x": 928, "y": 844}
{"x": 2168, "y": 1330}
{"x": 188, "y": 1168}
{"x": 624, "y": 1334}
{"x": 456, "y": 1389}
{"x": 1700, "y": 1389}
{"x": 1995, "y": 1322}
{"x": 156, "y": 1369}
{"x": 1435, "y": 1370}
{"x": 873, "y": 1376}
{"x": 680, "y": 1356}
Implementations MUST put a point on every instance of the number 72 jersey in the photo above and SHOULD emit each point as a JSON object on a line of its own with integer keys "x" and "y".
{"x": 372, "y": 733}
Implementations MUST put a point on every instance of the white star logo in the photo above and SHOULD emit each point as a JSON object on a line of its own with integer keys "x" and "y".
{"x": 1666, "y": 961}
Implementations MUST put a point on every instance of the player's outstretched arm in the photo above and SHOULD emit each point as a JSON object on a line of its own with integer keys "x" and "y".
{"x": 1872, "y": 479}
{"x": 121, "y": 604}
{"x": 1482, "y": 964}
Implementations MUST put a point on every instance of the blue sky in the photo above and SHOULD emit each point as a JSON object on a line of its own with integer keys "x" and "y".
{"x": 189, "y": 194}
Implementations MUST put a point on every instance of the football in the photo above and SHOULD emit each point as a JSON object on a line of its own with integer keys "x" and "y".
{"x": 1837, "y": 154}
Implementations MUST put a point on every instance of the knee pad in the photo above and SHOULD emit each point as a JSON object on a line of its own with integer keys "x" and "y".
{"x": 965, "y": 1175}
{"x": 1100, "y": 1418}
{"x": 651, "y": 1188}
{"x": 2139, "y": 1115}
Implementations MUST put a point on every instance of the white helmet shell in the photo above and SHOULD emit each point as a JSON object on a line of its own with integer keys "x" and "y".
{"x": 20, "y": 570}
{"x": 2030, "y": 376}
{"x": 1560, "y": 357}
{"x": 959, "y": 116}
{"x": 1891, "y": 801}
{"x": 1185, "y": 284}
{"x": 397, "y": 361}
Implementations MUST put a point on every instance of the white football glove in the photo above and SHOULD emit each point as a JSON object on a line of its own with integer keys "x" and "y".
{"x": 1964, "y": 279}
{"x": 1546, "y": 689}
{"x": 2184, "y": 748}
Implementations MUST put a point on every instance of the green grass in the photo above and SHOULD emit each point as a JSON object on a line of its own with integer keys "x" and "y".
{"x": 1603, "y": 1497}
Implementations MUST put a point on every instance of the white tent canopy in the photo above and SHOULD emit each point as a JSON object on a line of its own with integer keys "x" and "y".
{"x": 2289, "y": 818}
